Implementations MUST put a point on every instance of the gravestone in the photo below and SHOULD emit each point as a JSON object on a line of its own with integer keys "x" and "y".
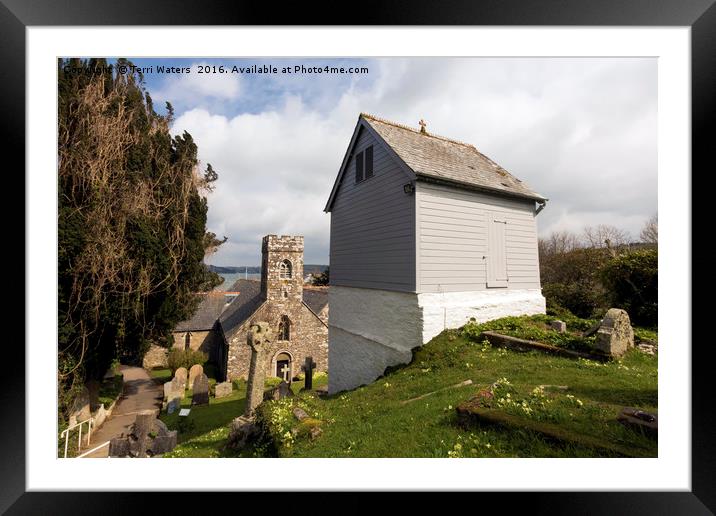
{"x": 182, "y": 374}
{"x": 223, "y": 389}
{"x": 173, "y": 394}
{"x": 148, "y": 437}
{"x": 615, "y": 334}
{"x": 195, "y": 371}
{"x": 308, "y": 368}
{"x": 559, "y": 326}
{"x": 80, "y": 407}
{"x": 282, "y": 390}
{"x": 258, "y": 338}
{"x": 200, "y": 390}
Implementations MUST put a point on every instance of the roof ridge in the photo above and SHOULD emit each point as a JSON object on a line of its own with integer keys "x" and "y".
{"x": 408, "y": 128}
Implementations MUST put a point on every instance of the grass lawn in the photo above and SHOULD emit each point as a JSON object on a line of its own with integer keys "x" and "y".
{"x": 161, "y": 376}
{"x": 375, "y": 421}
{"x": 371, "y": 421}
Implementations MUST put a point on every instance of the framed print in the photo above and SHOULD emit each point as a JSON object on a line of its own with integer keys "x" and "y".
{"x": 422, "y": 257}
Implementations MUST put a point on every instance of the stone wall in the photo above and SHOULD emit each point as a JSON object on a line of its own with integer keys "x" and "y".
{"x": 309, "y": 337}
{"x": 155, "y": 357}
{"x": 198, "y": 340}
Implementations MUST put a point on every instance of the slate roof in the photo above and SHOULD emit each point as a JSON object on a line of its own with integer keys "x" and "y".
{"x": 249, "y": 300}
{"x": 243, "y": 306}
{"x": 316, "y": 298}
{"x": 432, "y": 156}
{"x": 209, "y": 309}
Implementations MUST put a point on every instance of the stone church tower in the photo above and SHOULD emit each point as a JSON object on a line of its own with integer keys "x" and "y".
{"x": 282, "y": 270}
{"x": 298, "y": 315}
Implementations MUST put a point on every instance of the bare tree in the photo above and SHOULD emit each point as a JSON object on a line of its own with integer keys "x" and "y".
{"x": 650, "y": 232}
{"x": 605, "y": 235}
{"x": 558, "y": 242}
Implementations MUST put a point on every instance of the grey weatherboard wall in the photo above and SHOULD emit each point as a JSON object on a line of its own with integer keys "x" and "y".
{"x": 373, "y": 224}
{"x": 452, "y": 235}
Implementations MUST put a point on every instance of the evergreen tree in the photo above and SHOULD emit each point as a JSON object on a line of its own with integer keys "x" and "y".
{"x": 132, "y": 222}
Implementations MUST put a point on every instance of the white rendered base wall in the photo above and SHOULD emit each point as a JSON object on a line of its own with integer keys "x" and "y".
{"x": 454, "y": 309}
{"x": 371, "y": 329}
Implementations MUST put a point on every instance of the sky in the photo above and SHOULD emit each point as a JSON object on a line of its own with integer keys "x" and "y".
{"x": 580, "y": 131}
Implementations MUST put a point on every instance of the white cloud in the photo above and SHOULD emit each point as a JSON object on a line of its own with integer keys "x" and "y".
{"x": 580, "y": 131}
{"x": 198, "y": 88}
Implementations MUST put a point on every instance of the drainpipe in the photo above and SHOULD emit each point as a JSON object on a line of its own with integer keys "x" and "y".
{"x": 540, "y": 206}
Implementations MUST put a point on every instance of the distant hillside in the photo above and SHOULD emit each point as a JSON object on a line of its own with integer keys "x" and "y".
{"x": 256, "y": 269}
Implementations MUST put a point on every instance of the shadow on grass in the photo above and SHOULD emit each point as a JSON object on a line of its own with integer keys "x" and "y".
{"x": 619, "y": 396}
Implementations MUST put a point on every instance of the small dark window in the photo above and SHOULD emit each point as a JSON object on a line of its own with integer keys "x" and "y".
{"x": 187, "y": 340}
{"x": 364, "y": 164}
{"x": 285, "y": 270}
{"x": 284, "y": 328}
{"x": 369, "y": 162}
{"x": 359, "y": 167}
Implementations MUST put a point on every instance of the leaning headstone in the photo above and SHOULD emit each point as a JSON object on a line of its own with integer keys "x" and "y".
{"x": 615, "y": 334}
{"x": 80, "y": 407}
{"x": 259, "y": 337}
{"x": 223, "y": 389}
{"x": 182, "y": 375}
{"x": 168, "y": 390}
{"x": 195, "y": 371}
{"x": 559, "y": 326}
{"x": 308, "y": 368}
{"x": 279, "y": 392}
{"x": 200, "y": 390}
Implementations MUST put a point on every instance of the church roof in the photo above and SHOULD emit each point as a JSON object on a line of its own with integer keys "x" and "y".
{"x": 316, "y": 298}
{"x": 209, "y": 309}
{"x": 250, "y": 299}
{"x": 243, "y": 306}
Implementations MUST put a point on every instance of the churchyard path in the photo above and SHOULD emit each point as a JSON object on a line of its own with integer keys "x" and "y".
{"x": 140, "y": 393}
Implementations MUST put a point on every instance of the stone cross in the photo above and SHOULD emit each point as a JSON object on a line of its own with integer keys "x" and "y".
{"x": 258, "y": 338}
{"x": 284, "y": 371}
{"x": 422, "y": 125}
{"x": 308, "y": 369}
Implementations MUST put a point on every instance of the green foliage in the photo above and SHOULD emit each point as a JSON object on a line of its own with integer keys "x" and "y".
{"x": 272, "y": 381}
{"x": 131, "y": 222}
{"x": 571, "y": 280}
{"x": 110, "y": 390}
{"x": 535, "y": 327}
{"x": 632, "y": 282}
{"x": 185, "y": 358}
{"x": 322, "y": 279}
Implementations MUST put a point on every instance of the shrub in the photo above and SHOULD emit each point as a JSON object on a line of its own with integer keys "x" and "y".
{"x": 572, "y": 280}
{"x": 631, "y": 280}
{"x": 272, "y": 381}
{"x": 185, "y": 358}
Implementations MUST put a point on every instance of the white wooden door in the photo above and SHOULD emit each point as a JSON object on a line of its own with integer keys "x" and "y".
{"x": 496, "y": 255}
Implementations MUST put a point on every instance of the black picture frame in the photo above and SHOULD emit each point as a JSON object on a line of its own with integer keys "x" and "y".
{"x": 699, "y": 15}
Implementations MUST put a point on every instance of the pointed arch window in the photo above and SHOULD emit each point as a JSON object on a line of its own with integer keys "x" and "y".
{"x": 284, "y": 328}
{"x": 285, "y": 270}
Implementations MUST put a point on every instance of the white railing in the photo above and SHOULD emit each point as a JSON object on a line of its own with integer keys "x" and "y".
{"x": 66, "y": 433}
{"x": 93, "y": 449}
